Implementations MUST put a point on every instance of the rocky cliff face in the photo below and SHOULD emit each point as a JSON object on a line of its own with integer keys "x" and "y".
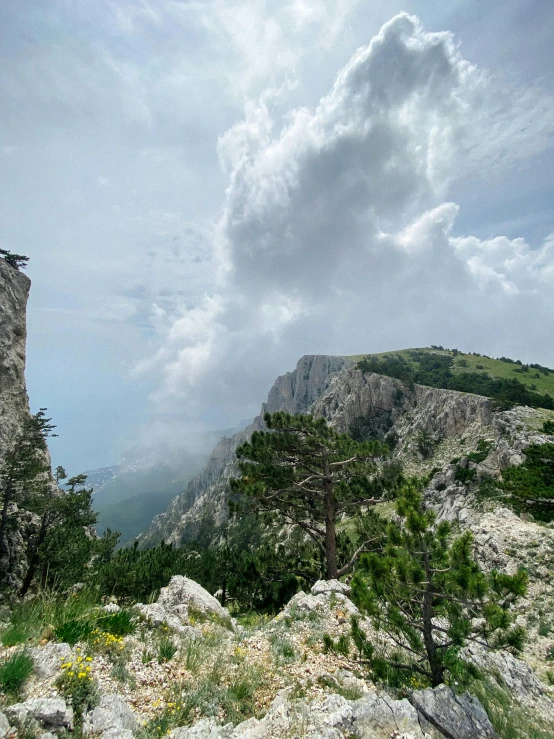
{"x": 14, "y": 404}
{"x": 204, "y": 499}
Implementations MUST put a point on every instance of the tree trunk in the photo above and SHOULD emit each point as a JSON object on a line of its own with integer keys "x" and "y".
{"x": 330, "y": 536}
{"x": 33, "y": 561}
{"x": 433, "y": 657}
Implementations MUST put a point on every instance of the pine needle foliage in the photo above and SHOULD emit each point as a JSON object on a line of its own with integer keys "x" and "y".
{"x": 426, "y": 592}
{"x": 530, "y": 486}
{"x": 308, "y": 475}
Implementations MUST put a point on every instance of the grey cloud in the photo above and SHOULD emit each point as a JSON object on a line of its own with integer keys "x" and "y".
{"x": 336, "y": 236}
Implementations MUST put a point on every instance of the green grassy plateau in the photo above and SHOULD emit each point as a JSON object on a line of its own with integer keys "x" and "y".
{"x": 535, "y": 378}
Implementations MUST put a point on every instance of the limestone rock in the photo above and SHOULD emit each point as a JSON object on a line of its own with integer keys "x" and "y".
{"x": 332, "y": 717}
{"x": 454, "y": 716}
{"x": 117, "y": 734}
{"x": 49, "y": 712}
{"x": 183, "y": 594}
{"x": 205, "y": 729}
{"x": 329, "y": 586}
{"x": 4, "y": 725}
{"x": 112, "y": 715}
{"x": 14, "y": 404}
{"x": 48, "y": 658}
{"x": 377, "y": 715}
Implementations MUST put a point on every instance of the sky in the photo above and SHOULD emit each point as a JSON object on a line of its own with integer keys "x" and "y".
{"x": 209, "y": 189}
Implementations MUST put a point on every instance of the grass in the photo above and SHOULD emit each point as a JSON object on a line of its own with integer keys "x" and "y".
{"x": 193, "y": 655}
{"x": 283, "y": 649}
{"x": 510, "y": 719}
{"x": 544, "y": 383}
{"x": 228, "y": 696}
{"x": 49, "y": 612}
{"x": 15, "y": 671}
{"x": 166, "y": 650}
{"x": 195, "y": 616}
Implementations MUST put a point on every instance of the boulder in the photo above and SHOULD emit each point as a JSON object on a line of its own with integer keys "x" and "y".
{"x": 158, "y": 616}
{"x": 117, "y": 734}
{"x": 4, "y": 725}
{"x": 176, "y": 602}
{"x": 378, "y": 715}
{"x": 205, "y": 729}
{"x": 454, "y": 716}
{"x": 183, "y": 594}
{"x": 48, "y": 658}
{"x": 330, "y": 586}
{"x": 112, "y": 715}
{"x": 49, "y": 712}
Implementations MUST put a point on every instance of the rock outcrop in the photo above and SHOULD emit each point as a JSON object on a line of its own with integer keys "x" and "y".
{"x": 180, "y": 602}
{"x": 14, "y": 403}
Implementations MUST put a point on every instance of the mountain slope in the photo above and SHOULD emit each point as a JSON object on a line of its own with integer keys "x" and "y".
{"x": 203, "y": 503}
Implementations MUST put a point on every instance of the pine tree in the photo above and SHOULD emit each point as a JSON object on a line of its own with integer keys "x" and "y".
{"x": 426, "y": 592}
{"x": 17, "y": 261}
{"x": 24, "y": 472}
{"x": 309, "y": 475}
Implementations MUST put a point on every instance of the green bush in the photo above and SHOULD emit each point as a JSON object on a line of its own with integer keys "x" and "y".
{"x": 464, "y": 474}
{"x": 548, "y": 427}
{"x": 340, "y": 646}
{"x": 76, "y": 685}
{"x": 73, "y": 631}
{"x": 482, "y": 451}
{"x": 15, "y": 671}
{"x": 121, "y": 623}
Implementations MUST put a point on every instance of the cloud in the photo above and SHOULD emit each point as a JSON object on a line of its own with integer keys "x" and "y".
{"x": 337, "y": 236}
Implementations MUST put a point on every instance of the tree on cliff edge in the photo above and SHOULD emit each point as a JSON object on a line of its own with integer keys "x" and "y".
{"x": 24, "y": 469}
{"x": 309, "y": 475}
{"x": 17, "y": 261}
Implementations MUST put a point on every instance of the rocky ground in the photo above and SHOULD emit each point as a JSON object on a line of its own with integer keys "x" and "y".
{"x": 190, "y": 670}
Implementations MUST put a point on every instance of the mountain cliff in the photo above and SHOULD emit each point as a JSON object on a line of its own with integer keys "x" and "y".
{"x": 426, "y": 427}
{"x": 14, "y": 407}
{"x": 14, "y": 403}
{"x": 203, "y": 502}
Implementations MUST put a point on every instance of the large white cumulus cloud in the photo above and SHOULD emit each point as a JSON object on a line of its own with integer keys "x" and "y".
{"x": 337, "y": 230}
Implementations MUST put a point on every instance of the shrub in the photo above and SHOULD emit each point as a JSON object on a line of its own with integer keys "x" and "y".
{"x": 340, "y": 646}
{"x": 548, "y": 427}
{"x": 464, "y": 474}
{"x": 77, "y": 685}
{"x": 121, "y": 623}
{"x": 15, "y": 671}
{"x": 482, "y": 451}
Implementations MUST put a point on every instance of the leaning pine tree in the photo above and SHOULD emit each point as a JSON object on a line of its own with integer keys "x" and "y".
{"x": 309, "y": 475}
{"x": 428, "y": 595}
